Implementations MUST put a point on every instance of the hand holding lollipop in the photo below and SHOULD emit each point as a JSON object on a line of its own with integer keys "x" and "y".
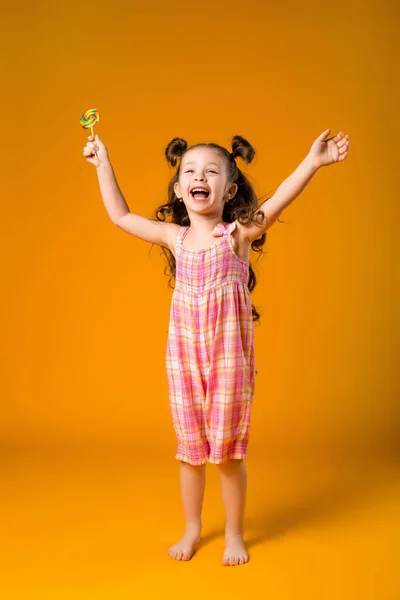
{"x": 89, "y": 119}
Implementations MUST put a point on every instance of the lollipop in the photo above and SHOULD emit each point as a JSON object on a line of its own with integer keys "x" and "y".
{"x": 89, "y": 119}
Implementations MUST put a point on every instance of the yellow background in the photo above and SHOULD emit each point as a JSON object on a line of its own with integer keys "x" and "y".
{"x": 91, "y": 489}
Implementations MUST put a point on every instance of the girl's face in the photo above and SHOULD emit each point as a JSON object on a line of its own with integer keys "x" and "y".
{"x": 204, "y": 168}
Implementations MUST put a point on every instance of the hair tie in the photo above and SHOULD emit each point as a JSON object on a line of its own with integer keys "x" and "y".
{"x": 232, "y": 156}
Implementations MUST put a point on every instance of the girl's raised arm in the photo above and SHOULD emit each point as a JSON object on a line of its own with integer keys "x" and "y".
{"x": 322, "y": 153}
{"x": 149, "y": 230}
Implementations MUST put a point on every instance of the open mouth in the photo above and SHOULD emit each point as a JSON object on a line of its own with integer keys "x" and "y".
{"x": 200, "y": 195}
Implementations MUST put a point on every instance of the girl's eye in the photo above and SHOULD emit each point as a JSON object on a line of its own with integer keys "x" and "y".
{"x": 191, "y": 171}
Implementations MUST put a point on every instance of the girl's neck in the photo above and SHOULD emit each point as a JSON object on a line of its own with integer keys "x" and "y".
{"x": 204, "y": 224}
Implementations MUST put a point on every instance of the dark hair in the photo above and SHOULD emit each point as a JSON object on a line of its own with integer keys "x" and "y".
{"x": 243, "y": 206}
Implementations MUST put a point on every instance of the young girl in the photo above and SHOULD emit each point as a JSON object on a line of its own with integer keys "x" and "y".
{"x": 214, "y": 220}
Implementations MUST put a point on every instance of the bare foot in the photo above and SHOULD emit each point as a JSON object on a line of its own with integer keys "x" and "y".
{"x": 235, "y": 551}
{"x": 184, "y": 549}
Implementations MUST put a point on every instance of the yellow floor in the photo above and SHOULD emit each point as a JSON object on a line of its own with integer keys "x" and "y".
{"x": 96, "y": 523}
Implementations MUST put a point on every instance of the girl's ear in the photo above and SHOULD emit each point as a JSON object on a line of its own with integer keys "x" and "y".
{"x": 233, "y": 189}
{"x": 176, "y": 189}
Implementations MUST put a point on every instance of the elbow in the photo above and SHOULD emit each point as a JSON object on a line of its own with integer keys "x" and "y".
{"x": 118, "y": 220}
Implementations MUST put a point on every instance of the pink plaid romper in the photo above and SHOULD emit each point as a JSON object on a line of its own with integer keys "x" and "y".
{"x": 210, "y": 351}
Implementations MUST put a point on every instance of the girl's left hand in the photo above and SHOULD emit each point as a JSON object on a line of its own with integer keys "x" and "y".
{"x": 326, "y": 152}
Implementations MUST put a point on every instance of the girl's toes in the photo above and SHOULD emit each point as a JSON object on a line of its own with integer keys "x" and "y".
{"x": 241, "y": 560}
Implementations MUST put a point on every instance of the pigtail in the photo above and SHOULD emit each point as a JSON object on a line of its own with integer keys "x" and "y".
{"x": 175, "y": 149}
{"x": 242, "y": 148}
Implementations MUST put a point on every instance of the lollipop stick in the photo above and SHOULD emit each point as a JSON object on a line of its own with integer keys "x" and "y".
{"x": 91, "y": 129}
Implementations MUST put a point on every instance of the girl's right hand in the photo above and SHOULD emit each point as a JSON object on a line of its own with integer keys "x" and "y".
{"x": 95, "y": 146}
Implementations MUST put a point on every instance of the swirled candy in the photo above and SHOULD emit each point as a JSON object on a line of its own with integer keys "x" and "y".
{"x": 90, "y": 118}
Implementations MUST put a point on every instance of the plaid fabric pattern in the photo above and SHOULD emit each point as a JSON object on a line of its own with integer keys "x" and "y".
{"x": 210, "y": 351}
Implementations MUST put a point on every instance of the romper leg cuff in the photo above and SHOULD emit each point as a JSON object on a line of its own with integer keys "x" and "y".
{"x": 191, "y": 459}
{"x": 236, "y": 449}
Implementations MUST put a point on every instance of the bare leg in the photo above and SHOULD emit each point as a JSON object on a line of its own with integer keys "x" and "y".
{"x": 193, "y": 482}
{"x": 234, "y": 486}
